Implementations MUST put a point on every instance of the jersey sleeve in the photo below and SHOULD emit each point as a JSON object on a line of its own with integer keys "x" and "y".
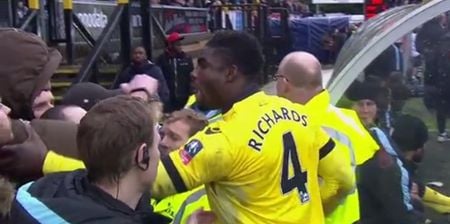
{"x": 323, "y": 143}
{"x": 205, "y": 158}
{"x": 57, "y": 163}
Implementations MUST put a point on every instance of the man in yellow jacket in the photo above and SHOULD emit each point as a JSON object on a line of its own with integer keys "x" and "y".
{"x": 299, "y": 79}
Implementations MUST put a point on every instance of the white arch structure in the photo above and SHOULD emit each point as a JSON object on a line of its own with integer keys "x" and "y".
{"x": 375, "y": 36}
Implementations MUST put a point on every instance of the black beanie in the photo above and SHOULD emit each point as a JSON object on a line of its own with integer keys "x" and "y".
{"x": 364, "y": 91}
{"x": 410, "y": 133}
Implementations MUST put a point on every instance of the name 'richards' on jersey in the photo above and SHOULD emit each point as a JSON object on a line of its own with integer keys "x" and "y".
{"x": 268, "y": 120}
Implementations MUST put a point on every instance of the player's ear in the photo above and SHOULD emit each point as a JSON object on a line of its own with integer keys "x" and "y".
{"x": 231, "y": 74}
{"x": 284, "y": 85}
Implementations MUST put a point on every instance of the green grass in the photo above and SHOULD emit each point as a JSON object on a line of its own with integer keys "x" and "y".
{"x": 415, "y": 107}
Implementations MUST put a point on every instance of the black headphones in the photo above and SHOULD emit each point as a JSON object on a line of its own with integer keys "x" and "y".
{"x": 145, "y": 162}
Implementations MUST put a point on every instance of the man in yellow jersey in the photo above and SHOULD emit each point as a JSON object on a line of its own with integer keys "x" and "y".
{"x": 299, "y": 79}
{"x": 260, "y": 162}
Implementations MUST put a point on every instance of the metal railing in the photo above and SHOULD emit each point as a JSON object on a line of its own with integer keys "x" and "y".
{"x": 254, "y": 18}
{"x": 119, "y": 17}
{"x": 9, "y": 15}
{"x": 246, "y": 17}
{"x": 136, "y": 22}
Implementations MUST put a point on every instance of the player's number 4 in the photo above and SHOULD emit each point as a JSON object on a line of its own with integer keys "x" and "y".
{"x": 290, "y": 158}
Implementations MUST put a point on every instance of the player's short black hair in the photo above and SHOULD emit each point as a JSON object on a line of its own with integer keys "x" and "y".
{"x": 241, "y": 49}
{"x": 409, "y": 133}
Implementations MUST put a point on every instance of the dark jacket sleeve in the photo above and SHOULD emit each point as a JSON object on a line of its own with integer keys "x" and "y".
{"x": 381, "y": 179}
{"x": 124, "y": 76}
{"x": 191, "y": 65}
{"x": 164, "y": 65}
{"x": 20, "y": 215}
{"x": 58, "y": 136}
{"x": 163, "y": 90}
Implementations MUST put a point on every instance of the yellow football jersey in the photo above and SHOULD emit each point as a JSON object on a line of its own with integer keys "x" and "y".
{"x": 259, "y": 164}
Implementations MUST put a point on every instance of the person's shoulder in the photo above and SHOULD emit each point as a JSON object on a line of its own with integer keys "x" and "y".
{"x": 150, "y": 218}
{"x": 381, "y": 160}
{"x": 54, "y": 185}
{"x": 54, "y": 198}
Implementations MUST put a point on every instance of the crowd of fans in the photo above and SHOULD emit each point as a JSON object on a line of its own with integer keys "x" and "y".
{"x": 167, "y": 146}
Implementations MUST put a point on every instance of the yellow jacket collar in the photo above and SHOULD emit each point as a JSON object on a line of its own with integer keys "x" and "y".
{"x": 320, "y": 102}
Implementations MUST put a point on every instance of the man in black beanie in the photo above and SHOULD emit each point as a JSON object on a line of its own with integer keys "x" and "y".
{"x": 384, "y": 173}
{"x": 372, "y": 103}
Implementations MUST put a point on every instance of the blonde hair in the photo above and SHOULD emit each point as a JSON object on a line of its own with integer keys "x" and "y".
{"x": 195, "y": 120}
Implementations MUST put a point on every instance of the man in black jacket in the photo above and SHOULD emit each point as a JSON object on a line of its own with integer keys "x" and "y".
{"x": 141, "y": 65}
{"x": 177, "y": 68}
{"x": 120, "y": 167}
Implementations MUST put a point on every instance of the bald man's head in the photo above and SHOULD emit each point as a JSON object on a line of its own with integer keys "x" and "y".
{"x": 302, "y": 69}
{"x": 300, "y": 77}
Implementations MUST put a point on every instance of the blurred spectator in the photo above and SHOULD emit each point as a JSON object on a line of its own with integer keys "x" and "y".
{"x": 429, "y": 44}
{"x": 86, "y": 95}
{"x": 176, "y": 67}
{"x": 442, "y": 94}
{"x": 114, "y": 187}
{"x": 190, "y": 3}
{"x": 180, "y": 3}
{"x": 399, "y": 93}
{"x": 25, "y": 78}
{"x": 26, "y": 65}
{"x": 386, "y": 63}
{"x": 178, "y": 128}
{"x": 340, "y": 36}
{"x": 416, "y": 62}
{"x": 65, "y": 113}
{"x": 329, "y": 45}
{"x": 22, "y": 12}
{"x": 141, "y": 65}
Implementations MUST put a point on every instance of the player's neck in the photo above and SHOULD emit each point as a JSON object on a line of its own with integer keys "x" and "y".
{"x": 245, "y": 92}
